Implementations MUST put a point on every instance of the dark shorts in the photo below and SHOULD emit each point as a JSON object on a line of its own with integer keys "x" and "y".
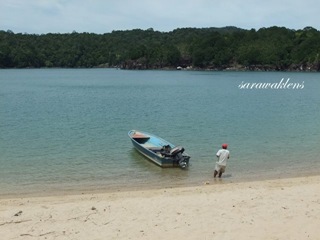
{"x": 220, "y": 168}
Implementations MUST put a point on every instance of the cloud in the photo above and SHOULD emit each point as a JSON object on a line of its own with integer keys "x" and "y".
{"x": 100, "y": 16}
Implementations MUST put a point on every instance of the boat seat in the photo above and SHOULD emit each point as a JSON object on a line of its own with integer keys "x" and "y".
{"x": 140, "y": 136}
{"x": 155, "y": 149}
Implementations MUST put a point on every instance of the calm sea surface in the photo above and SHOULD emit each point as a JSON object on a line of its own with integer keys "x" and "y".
{"x": 65, "y": 130}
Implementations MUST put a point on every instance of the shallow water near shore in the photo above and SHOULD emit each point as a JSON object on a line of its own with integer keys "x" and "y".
{"x": 65, "y": 130}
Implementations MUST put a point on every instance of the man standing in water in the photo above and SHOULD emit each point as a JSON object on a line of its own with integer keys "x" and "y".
{"x": 223, "y": 154}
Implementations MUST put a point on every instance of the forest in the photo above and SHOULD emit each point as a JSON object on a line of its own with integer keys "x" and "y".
{"x": 227, "y": 48}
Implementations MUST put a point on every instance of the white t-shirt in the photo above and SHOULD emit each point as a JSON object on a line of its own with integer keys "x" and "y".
{"x": 223, "y": 155}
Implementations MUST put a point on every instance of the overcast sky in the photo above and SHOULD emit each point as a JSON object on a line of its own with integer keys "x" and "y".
{"x": 103, "y": 16}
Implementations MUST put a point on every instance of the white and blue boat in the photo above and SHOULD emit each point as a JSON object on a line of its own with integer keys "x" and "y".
{"x": 158, "y": 150}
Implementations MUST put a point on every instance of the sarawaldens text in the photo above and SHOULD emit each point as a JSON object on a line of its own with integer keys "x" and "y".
{"x": 283, "y": 84}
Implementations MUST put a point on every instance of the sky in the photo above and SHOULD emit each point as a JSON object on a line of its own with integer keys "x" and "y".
{"x": 104, "y": 16}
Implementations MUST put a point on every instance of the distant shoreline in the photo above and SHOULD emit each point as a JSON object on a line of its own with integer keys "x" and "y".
{"x": 227, "y": 48}
{"x": 226, "y": 69}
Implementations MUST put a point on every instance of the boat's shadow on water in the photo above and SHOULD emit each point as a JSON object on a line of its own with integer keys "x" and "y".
{"x": 139, "y": 161}
{"x": 142, "y": 164}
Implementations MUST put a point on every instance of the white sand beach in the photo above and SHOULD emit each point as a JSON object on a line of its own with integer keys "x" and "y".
{"x": 273, "y": 209}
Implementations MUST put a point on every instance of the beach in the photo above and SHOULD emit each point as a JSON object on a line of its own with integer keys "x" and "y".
{"x": 271, "y": 209}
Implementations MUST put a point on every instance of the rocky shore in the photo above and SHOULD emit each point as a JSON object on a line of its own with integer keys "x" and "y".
{"x": 136, "y": 65}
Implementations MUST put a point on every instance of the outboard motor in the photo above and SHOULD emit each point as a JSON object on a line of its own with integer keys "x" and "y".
{"x": 176, "y": 153}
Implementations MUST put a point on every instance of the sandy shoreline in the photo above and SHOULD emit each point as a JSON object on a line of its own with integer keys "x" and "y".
{"x": 273, "y": 209}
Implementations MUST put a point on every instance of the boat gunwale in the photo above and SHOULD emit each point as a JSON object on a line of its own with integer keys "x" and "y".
{"x": 147, "y": 135}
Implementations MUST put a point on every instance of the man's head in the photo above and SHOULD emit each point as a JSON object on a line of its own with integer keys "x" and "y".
{"x": 224, "y": 146}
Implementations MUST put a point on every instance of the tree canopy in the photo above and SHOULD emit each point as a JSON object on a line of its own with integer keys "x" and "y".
{"x": 274, "y": 48}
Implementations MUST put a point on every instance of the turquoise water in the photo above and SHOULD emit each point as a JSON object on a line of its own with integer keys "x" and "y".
{"x": 66, "y": 130}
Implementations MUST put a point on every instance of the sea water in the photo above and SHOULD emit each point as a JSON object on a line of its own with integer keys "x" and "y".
{"x": 64, "y": 130}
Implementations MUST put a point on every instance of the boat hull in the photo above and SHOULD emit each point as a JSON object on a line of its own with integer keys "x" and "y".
{"x": 151, "y": 146}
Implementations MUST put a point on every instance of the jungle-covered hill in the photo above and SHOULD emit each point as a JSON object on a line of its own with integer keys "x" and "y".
{"x": 274, "y": 48}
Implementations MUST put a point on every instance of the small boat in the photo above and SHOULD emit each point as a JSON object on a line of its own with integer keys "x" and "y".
{"x": 158, "y": 150}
